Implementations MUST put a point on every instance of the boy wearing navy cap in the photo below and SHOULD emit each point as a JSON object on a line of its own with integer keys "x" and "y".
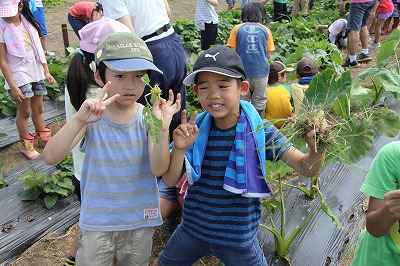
{"x": 223, "y": 155}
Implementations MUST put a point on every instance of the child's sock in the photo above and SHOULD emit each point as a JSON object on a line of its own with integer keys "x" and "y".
{"x": 352, "y": 58}
{"x": 365, "y": 51}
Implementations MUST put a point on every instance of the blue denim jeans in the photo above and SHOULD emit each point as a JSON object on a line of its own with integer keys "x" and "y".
{"x": 76, "y": 23}
{"x": 183, "y": 249}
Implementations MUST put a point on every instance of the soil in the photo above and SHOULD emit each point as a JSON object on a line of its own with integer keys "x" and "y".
{"x": 51, "y": 249}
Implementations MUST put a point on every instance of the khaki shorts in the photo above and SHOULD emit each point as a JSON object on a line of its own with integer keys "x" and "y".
{"x": 131, "y": 247}
{"x": 257, "y": 94}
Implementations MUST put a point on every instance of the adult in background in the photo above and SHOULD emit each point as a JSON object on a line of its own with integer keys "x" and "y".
{"x": 38, "y": 13}
{"x": 254, "y": 43}
{"x": 360, "y": 11}
{"x": 299, "y": 6}
{"x": 82, "y": 13}
{"x": 149, "y": 20}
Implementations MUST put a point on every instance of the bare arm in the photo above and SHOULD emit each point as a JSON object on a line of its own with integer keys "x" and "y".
{"x": 321, "y": 27}
{"x": 382, "y": 214}
{"x": 213, "y": 2}
{"x": 67, "y": 137}
{"x": 167, "y": 8}
{"x": 184, "y": 136}
{"x": 128, "y": 22}
{"x": 159, "y": 152}
{"x": 307, "y": 164}
{"x": 64, "y": 140}
{"x": 47, "y": 74}
{"x": 5, "y": 68}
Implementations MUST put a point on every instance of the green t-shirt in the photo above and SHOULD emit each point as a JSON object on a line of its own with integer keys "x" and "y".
{"x": 383, "y": 176}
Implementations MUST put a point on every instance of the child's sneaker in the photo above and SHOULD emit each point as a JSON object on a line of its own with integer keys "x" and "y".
{"x": 347, "y": 63}
{"x": 375, "y": 45}
{"x": 49, "y": 53}
{"x": 363, "y": 58}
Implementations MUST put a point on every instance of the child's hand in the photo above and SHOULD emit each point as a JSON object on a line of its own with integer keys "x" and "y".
{"x": 92, "y": 109}
{"x": 312, "y": 137}
{"x": 165, "y": 110}
{"x": 50, "y": 79}
{"x": 17, "y": 95}
{"x": 392, "y": 203}
{"x": 186, "y": 133}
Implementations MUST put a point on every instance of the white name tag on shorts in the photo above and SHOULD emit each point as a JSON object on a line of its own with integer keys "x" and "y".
{"x": 151, "y": 214}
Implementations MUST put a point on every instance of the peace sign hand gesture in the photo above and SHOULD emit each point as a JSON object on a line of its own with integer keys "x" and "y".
{"x": 186, "y": 133}
{"x": 92, "y": 109}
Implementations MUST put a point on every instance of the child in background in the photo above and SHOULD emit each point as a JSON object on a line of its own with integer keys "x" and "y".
{"x": 254, "y": 44}
{"x": 280, "y": 9}
{"x": 337, "y": 32}
{"x": 206, "y": 20}
{"x": 394, "y": 17}
{"x": 221, "y": 153}
{"x": 280, "y": 101}
{"x": 231, "y": 4}
{"x": 81, "y": 85}
{"x": 24, "y": 67}
{"x": 82, "y": 13}
{"x": 383, "y": 11}
{"x": 120, "y": 202}
{"x": 38, "y": 12}
{"x": 306, "y": 69}
{"x": 379, "y": 242}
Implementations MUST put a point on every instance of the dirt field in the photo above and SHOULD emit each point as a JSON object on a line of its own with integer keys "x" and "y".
{"x": 51, "y": 250}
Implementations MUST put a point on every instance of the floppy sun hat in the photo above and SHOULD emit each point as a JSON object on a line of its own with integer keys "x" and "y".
{"x": 94, "y": 32}
{"x": 8, "y": 8}
{"x": 125, "y": 52}
{"x": 218, "y": 59}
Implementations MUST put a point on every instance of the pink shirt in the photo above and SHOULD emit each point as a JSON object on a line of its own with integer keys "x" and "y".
{"x": 384, "y": 6}
{"x": 24, "y": 52}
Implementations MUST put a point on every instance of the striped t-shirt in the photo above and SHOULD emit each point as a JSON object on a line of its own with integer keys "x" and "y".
{"x": 119, "y": 191}
{"x": 214, "y": 215}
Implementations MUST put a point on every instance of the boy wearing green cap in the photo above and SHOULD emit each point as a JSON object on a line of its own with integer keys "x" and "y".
{"x": 120, "y": 202}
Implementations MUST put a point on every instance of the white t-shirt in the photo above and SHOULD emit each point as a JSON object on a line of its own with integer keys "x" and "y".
{"x": 336, "y": 28}
{"x": 77, "y": 155}
{"x": 147, "y": 15}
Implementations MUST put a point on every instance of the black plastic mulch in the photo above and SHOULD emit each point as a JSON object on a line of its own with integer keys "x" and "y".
{"x": 321, "y": 243}
{"x": 17, "y": 233}
{"x": 53, "y": 110}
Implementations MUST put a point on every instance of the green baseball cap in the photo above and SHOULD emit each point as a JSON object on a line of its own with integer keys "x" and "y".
{"x": 124, "y": 52}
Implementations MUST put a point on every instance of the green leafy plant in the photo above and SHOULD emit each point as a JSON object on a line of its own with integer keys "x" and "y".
{"x": 58, "y": 68}
{"x": 151, "y": 122}
{"x": 7, "y": 106}
{"x": 51, "y": 187}
{"x": 283, "y": 241}
{"x": 3, "y": 183}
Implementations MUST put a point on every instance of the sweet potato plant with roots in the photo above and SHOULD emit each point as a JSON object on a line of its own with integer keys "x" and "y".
{"x": 352, "y": 112}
